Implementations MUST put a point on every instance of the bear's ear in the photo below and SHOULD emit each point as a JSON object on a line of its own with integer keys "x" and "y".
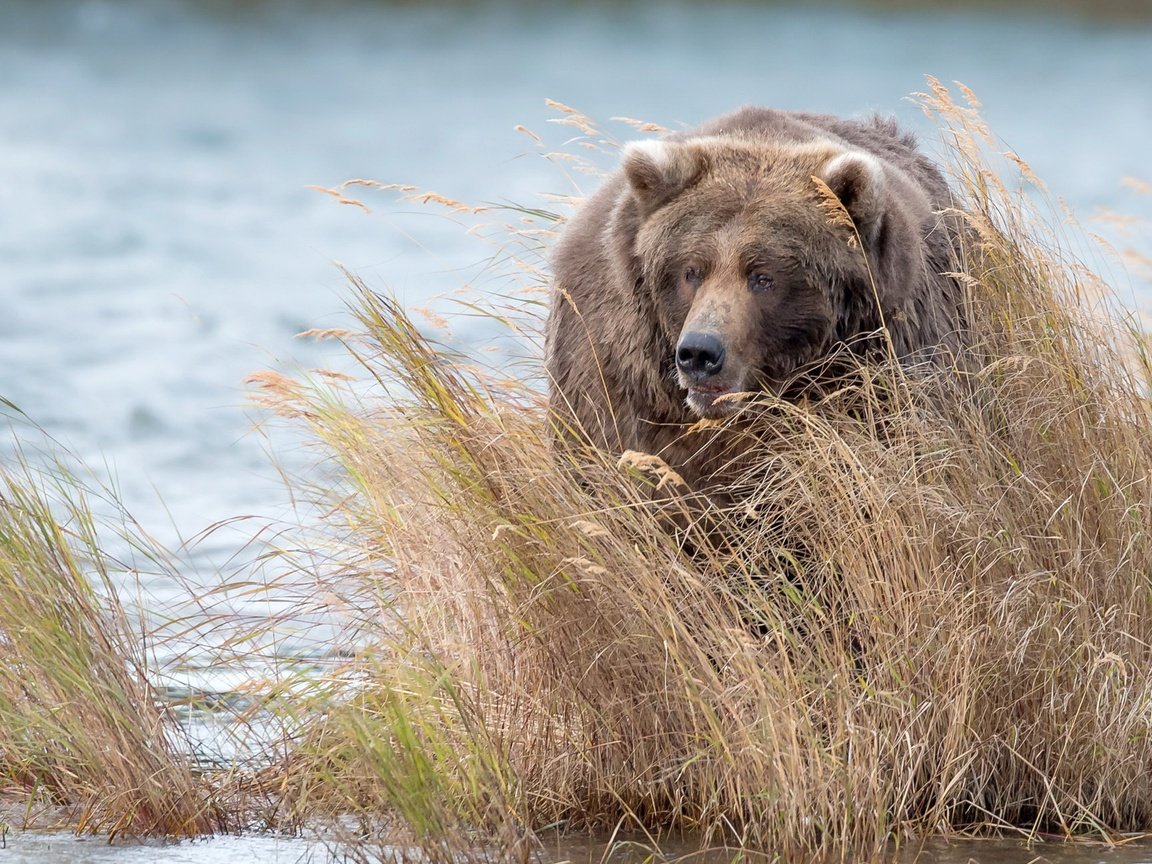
{"x": 858, "y": 181}
{"x": 658, "y": 171}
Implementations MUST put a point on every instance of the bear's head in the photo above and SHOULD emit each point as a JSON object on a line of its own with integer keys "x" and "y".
{"x": 753, "y": 269}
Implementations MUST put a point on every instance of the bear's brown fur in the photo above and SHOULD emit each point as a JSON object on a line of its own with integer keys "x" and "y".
{"x": 712, "y": 263}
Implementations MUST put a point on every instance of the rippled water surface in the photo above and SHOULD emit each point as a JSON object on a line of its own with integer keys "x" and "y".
{"x": 45, "y": 848}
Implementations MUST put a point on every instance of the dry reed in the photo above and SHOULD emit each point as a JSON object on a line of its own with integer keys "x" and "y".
{"x": 924, "y": 607}
{"x": 83, "y": 736}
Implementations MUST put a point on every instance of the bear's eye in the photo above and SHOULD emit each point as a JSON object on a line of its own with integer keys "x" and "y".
{"x": 692, "y": 275}
{"x": 759, "y": 281}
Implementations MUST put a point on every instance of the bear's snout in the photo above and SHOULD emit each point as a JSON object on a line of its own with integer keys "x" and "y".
{"x": 699, "y": 356}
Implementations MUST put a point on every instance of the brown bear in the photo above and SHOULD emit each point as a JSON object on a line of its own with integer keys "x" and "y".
{"x": 716, "y": 262}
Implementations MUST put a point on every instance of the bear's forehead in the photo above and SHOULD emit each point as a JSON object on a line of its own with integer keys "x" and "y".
{"x": 745, "y": 204}
{"x": 757, "y": 180}
{"x": 736, "y": 158}
{"x": 751, "y": 197}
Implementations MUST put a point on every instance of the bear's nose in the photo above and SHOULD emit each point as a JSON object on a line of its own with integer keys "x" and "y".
{"x": 699, "y": 355}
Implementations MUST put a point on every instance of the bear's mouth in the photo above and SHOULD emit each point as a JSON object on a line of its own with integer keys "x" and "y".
{"x": 706, "y": 401}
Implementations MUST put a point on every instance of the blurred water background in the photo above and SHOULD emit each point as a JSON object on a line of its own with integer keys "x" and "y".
{"x": 158, "y": 239}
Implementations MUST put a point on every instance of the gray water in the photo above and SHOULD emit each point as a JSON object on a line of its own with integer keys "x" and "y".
{"x": 50, "y": 848}
{"x": 159, "y": 242}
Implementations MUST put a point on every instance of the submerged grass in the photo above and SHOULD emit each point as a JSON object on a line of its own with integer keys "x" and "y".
{"x": 924, "y": 607}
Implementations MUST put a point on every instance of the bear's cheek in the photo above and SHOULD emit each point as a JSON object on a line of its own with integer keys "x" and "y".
{"x": 792, "y": 332}
{"x": 682, "y": 297}
{"x": 672, "y": 308}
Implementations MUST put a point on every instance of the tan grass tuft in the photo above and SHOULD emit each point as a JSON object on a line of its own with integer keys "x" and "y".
{"x": 642, "y": 125}
{"x": 325, "y": 333}
{"x": 835, "y": 212}
{"x": 923, "y": 605}
{"x": 524, "y": 130}
{"x": 648, "y": 463}
{"x": 1141, "y": 186}
{"x": 81, "y": 727}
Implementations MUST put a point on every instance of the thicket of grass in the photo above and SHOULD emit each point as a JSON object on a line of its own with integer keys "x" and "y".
{"x": 82, "y": 733}
{"x": 924, "y": 607}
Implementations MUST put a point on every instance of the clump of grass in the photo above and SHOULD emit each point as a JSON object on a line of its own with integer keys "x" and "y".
{"x": 82, "y": 732}
{"x": 924, "y": 607}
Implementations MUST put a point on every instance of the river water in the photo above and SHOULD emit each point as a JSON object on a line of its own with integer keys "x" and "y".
{"x": 159, "y": 240}
{"x": 49, "y": 848}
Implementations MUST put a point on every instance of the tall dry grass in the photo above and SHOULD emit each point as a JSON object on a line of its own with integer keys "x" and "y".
{"x": 84, "y": 738}
{"x": 926, "y": 606}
